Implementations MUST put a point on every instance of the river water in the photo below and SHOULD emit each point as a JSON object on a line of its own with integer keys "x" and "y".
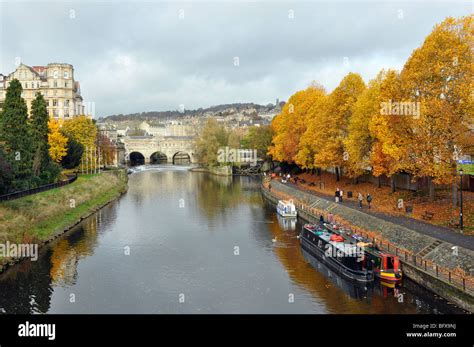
{"x": 184, "y": 242}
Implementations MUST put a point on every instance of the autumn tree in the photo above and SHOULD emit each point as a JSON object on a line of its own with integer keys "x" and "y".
{"x": 335, "y": 122}
{"x": 315, "y": 135}
{"x": 57, "y": 141}
{"x": 359, "y": 140}
{"x": 83, "y": 130}
{"x": 440, "y": 76}
{"x": 290, "y": 125}
{"x": 392, "y": 131}
{"x": 107, "y": 149}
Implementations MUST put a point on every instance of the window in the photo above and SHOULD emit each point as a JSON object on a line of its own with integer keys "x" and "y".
{"x": 66, "y": 84}
{"x": 66, "y": 103}
{"x": 55, "y": 102}
{"x": 66, "y": 74}
{"x": 56, "y": 74}
{"x": 55, "y": 84}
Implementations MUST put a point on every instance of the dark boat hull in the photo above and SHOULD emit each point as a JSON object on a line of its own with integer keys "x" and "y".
{"x": 333, "y": 264}
{"x": 355, "y": 289}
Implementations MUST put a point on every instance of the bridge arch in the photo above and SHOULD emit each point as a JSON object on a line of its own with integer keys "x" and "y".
{"x": 158, "y": 158}
{"x": 136, "y": 158}
{"x": 181, "y": 157}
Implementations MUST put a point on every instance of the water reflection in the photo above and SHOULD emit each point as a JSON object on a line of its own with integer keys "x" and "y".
{"x": 287, "y": 224}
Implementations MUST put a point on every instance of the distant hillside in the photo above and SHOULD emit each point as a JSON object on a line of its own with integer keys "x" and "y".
{"x": 176, "y": 114}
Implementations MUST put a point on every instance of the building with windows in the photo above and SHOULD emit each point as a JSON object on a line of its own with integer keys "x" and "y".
{"x": 55, "y": 81}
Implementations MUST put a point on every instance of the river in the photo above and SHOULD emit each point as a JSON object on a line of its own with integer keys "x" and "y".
{"x": 184, "y": 242}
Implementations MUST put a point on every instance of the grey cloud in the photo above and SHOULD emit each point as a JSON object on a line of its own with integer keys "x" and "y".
{"x": 139, "y": 56}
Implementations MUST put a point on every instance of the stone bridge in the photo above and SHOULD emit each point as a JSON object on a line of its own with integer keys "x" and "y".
{"x": 153, "y": 149}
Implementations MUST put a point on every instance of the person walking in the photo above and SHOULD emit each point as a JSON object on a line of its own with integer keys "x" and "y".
{"x": 360, "y": 198}
{"x": 336, "y": 195}
{"x": 369, "y": 199}
{"x": 341, "y": 195}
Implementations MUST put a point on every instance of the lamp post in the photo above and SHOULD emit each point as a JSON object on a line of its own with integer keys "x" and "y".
{"x": 461, "y": 226}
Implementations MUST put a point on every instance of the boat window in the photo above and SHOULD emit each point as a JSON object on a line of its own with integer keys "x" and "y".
{"x": 377, "y": 263}
{"x": 390, "y": 261}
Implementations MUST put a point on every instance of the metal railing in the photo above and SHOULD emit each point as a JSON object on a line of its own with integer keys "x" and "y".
{"x": 461, "y": 281}
{"x": 22, "y": 193}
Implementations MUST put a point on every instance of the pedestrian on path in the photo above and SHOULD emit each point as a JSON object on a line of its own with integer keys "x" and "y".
{"x": 369, "y": 199}
{"x": 330, "y": 218}
{"x": 341, "y": 195}
{"x": 360, "y": 198}
{"x": 336, "y": 195}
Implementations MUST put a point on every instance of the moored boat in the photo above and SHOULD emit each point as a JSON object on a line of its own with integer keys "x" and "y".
{"x": 386, "y": 266}
{"x": 286, "y": 208}
{"x": 340, "y": 255}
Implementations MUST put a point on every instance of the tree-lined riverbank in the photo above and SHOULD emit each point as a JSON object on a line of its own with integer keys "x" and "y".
{"x": 41, "y": 217}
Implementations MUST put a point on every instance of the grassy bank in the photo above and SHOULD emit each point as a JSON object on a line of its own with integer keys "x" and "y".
{"x": 37, "y": 218}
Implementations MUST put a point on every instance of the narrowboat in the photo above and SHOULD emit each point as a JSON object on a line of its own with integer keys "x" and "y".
{"x": 338, "y": 254}
{"x": 286, "y": 208}
{"x": 386, "y": 266}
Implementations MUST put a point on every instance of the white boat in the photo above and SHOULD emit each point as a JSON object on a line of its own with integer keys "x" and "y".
{"x": 286, "y": 208}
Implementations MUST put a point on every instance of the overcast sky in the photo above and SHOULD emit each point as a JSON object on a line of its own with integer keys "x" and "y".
{"x": 139, "y": 56}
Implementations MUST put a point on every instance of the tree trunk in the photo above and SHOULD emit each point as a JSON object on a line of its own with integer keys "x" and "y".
{"x": 337, "y": 174}
{"x": 392, "y": 183}
{"x": 455, "y": 194}
{"x": 379, "y": 181}
{"x": 431, "y": 189}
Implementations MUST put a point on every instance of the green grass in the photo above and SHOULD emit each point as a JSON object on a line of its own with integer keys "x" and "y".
{"x": 36, "y": 217}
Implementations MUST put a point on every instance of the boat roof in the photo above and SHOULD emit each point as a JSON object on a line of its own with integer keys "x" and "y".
{"x": 345, "y": 247}
{"x": 370, "y": 249}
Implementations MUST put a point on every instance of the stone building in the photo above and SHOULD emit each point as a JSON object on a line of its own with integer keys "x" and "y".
{"x": 55, "y": 81}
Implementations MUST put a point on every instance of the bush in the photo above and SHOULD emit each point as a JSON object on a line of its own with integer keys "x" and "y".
{"x": 74, "y": 154}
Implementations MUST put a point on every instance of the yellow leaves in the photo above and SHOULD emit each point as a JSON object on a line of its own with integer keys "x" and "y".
{"x": 429, "y": 114}
{"x": 359, "y": 140}
{"x": 440, "y": 75}
{"x": 335, "y": 119}
{"x": 292, "y": 122}
{"x": 82, "y": 128}
{"x": 57, "y": 141}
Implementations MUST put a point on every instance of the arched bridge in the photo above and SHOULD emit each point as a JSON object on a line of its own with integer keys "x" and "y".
{"x": 152, "y": 149}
